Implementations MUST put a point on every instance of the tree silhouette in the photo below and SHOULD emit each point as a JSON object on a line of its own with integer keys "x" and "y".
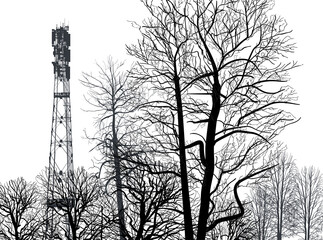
{"x": 241, "y": 228}
{"x": 146, "y": 191}
{"x": 273, "y": 198}
{"x": 262, "y": 212}
{"x": 309, "y": 202}
{"x": 151, "y": 197}
{"x": 114, "y": 97}
{"x": 281, "y": 189}
{"x": 77, "y": 212}
{"x": 19, "y": 215}
{"x": 217, "y": 73}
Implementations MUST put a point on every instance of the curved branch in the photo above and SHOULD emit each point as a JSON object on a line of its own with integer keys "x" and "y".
{"x": 201, "y": 147}
{"x": 239, "y": 131}
{"x": 236, "y": 196}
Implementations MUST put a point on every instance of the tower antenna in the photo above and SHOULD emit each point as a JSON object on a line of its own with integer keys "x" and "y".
{"x": 60, "y": 166}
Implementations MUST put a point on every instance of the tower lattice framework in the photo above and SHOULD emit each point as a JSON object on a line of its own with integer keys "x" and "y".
{"x": 61, "y": 153}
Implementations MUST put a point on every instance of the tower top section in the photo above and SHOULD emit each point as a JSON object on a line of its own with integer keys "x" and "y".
{"x": 61, "y": 41}
{"x": 60, "y": 35}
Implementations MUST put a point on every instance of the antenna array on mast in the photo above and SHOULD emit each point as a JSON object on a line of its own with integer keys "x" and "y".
{"x": 61, "y": 153}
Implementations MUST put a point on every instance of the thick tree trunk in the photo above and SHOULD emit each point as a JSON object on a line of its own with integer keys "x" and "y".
{"x": 74, "y": 234}
{"x": 182, "y": 157}
{"x": 142, "y": 221}
{"x": 209, "y": 162}
{"x": 279, "y": 218}
{"x": 118, "y": 180}
{"x": 15, "y": 226}
{"x": 16, "y": 233}
{"x": 209, "y": 145}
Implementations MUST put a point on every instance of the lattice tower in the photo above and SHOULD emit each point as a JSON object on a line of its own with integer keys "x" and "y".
{"x": 61, "y": 153}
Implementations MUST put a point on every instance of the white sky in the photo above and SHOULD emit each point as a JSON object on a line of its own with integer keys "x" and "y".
{"x": 99, "y": 28}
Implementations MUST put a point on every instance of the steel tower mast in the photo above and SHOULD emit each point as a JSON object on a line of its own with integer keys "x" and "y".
{"x": 61, "y": 153}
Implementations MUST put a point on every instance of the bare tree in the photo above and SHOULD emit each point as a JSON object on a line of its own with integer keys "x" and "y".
{"x": 217, "y": 67}
{"x": 148, "y": 189}
{"x": 114, "y": 97}
{"x": 75, "y": 204}
{"x": 273, "y": 199}
{"x": 262, "y": 211}
{"x": 18, "y": 210}
{"x": 161, "y": 53}
{"x": 309, "y": 202}
{"x": 151, "y": 196}
{"x": 103, "y": 222}
{"x": 281, "y": 187}
{"x": 243, "y": 228}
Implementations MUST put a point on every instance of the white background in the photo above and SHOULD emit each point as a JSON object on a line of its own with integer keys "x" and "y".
{"x": 99, "y": 28}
